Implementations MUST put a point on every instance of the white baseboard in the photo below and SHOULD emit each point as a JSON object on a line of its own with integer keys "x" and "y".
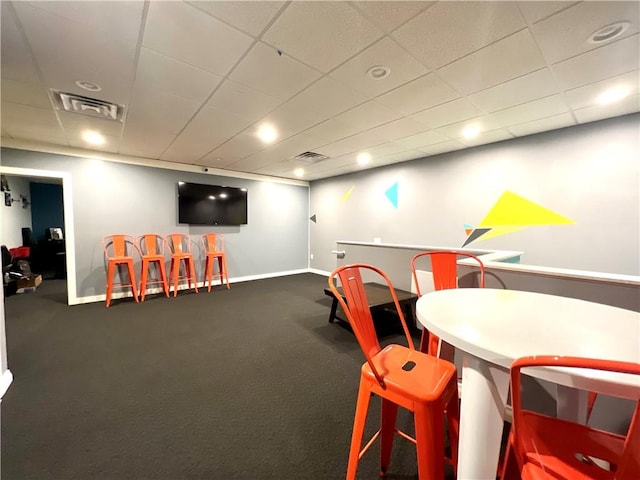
{"x": 319, "y": 272}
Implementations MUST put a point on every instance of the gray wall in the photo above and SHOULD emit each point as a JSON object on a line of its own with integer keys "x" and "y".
{"x": 588, "y": 173}
{"x": 121, "y": 198}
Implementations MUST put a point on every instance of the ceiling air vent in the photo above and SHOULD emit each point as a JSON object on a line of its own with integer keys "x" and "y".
{"x": 310, "y": 157}
{"x": 92, "y": 107}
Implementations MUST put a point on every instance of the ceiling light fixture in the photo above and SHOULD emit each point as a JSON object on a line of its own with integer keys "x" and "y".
{"x": 92, "y": 87}
{"x": 267, "y": 133}
{"x": 299, "y": 172}
{"x": 471, "y": 131}
{"x": 363, "y": 158}
{"x": 378, "y": 72}
{"x": 608, "y": 32}
{"x": 93, "y": 137}
{"x": 212, "y": 197}
{"x": 613, "y": 94}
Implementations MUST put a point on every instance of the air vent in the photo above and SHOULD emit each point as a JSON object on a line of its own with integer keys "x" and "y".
{"x": 310, "y": 157}
{"x": 91, "y": 107}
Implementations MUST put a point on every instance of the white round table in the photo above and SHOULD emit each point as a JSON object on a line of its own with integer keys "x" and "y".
{"x": 494, "y": 327}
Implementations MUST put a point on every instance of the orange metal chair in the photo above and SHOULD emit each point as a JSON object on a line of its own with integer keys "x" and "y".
{"x": 401, "y": 376}
{"x": 119, "y": 250}
{"x": 180, "y": 247}
{"x": 213, "y": 244}
{"x": 542, "y": 447}
{"x": 151, "y": 247}
{"x": 444, "y": 265}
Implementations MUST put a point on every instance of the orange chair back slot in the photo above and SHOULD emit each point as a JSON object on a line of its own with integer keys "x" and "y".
{"x": 213, "y": 242}
{"x": 151, "y": 244}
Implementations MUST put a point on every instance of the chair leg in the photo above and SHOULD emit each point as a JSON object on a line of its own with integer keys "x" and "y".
{"x": 510, "y": 467}
{"x": 110, "y": 272}
{"x": 387, "y": 432}
{"x": 192, "y": 274}
{"x": 453, "y": 425}
{"x": 143, "y": 279}
{"x": 226, "y": 272}
{"x": 163, "y": 277}
{"x": 208, "y": 272}
{"x": 132, "y": 280}
{"x": 175, "y": 272}
{"x": 362, "y": 407}
{"x": 430, "y": 441}
{"x": 424, "y": 341}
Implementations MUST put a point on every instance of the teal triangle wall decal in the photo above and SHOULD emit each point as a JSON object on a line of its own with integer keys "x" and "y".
{"x": 392, "y": 194}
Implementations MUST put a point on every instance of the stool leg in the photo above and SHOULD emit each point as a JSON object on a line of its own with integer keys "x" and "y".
{"x": 110, "y": 272}
{"x": 132, "y": 280}
{"x": 424, "y": 341}
{"x": 175, "y": 271}
{"x": 362, "y": 407}
{"x": 226, "y": 272}
{"x": 143, "y": 279}
{"x": 192, "y": 274}
{"x": 163, "y": 277}
{"x": 208, "y": 272}
{"x": 387, "y": 432}
{"x": 430, "y": 440}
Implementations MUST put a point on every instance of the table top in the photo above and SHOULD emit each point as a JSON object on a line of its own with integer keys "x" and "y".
{"x": 501, "y": 325}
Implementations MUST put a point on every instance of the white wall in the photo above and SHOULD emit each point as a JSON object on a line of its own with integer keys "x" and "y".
{"x": 15, "y": 217}
{"x": 588, "y": 173}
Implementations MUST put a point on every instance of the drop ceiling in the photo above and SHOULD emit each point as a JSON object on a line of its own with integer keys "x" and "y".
{"x": 197, "y": 79}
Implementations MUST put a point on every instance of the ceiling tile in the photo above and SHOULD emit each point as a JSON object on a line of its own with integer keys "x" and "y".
{"x": 277, "y": 75}
{"x": 587, "y": 95}
{"x": 322, "y": 100}
{"x": 181, "y": 31}
{"x": 422, "y": 140}
{"x": 121, "y": 20}
{"x": 17, "y": 61}
{"x": 76, "y": 122}
{"x": 566, "y": 34}
{"x": 242, "y": 145}
{"x": 368, "y": 115}
{"x": 630, "y": 104}
{"x": 398, "y": 129}
{"x": 418, "y": 95}
{"x": 608, "y": 61}
{"x": 111, "y": 144}
{"x": 25, "y": 93}
{"x": 390, "y": 15}
{"x": 235, "y": 98}
{"x": 542, "y": 125}
{"x": 159, "y": 111}
{"x": 321, "y": 34}
{"x": 331, "y": 131}
{"x": 403, "y": 68}
{"x": 389, "y": 148}
{"x": 504, "y": 60}
{"x": 142, "y": 142}
{"x": 27, "y": 130}
{"x": 487, "y": 137}
{"x": 249, "y": 16}
{"x": 82, "y": 53}
{"x": 544, "y": 107}
{"x": 450, "y": 30}
{"x": 534, "y": 11}
{"x": 351, "y": 144}
{"x": 448, "y": 113}
{"x": 285, "y": 150}
{"x": 443, "y": 147}
{"x": 455, "y": 130}
{"x": 529, "y": 87}
{"x": 172, "y": 76}
{"x": 27, "y": 113}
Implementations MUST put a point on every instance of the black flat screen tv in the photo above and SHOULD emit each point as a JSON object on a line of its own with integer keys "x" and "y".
{"x": 200, "y": 204}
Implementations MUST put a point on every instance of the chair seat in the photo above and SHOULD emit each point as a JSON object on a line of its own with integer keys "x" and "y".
{"x": 424, "y": 382}
{"x": 549, "y": 449}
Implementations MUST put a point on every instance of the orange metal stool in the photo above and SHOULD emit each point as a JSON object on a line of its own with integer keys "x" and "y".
{"x": 118, "y": 250}
{"x": 542, "y": 447}
{"x": 180, "y": 246}
{"x": 401, "y": 376}
{"x": 151, "y": 248}
{"x": 213, "y": 244}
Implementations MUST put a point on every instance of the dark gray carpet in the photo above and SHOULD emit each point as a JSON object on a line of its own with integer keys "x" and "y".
{"x": 247, "y": 383}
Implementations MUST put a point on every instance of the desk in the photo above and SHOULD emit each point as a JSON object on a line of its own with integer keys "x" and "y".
{"x": 494, "y": 327}
{"x": 379, "y": 298}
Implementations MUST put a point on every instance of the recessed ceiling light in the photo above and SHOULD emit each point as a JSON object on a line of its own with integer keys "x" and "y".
{"x": 212, "y": 197}
{"x": 363, "y": 158}
{"x": 609, "y": 32}
{"x": 471, "y": 131}
{"x": 299, "y": 172}
{"x": 92, "y": 87}
{"x": 613, "y": 94}
{"x": 378, "y": 72}
{"x": 267, "y": 133}
{"x": 92, "y": 137}
{"x": 223, "y": 195}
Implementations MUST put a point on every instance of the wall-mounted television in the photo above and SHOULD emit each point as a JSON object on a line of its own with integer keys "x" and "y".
{"x": 200, "y": 204}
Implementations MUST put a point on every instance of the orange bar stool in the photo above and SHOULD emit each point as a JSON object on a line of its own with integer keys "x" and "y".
{"x": 213, "y": 244}
{"x": 444, "y": 266}
{"x": 542, "y": 447}
{"x": 151, "y": 248}
{"x": 180, "y": 247}
{"x": 402, "y": 377}
{"x": 119, "y": 250}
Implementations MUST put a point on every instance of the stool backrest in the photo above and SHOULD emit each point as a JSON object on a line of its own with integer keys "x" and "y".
{"x": 119, "y": 245}
{"x": 151, "y": 244}
{"x": 213, "y": 242}
{"x": 444, "y": 265}
{"x": 179, "y": 242}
